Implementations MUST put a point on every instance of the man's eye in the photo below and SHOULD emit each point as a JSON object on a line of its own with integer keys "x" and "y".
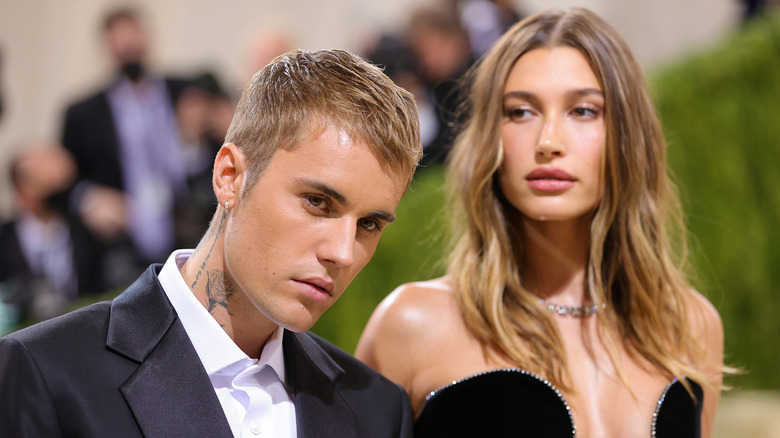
{"x": 316, "y": 201}
{"x": 369, "y": 224}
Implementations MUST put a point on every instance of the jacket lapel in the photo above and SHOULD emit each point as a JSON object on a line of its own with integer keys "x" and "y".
{"x": 170, "y": 392}
{"x": 320, "y": 408}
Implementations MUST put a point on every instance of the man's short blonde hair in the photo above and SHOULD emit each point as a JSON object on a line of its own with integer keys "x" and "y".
{"x": 301, "y": 92}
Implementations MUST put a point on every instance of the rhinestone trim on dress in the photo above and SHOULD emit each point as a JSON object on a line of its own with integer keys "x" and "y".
{"x": 521, "y": 371}
{"x": 658, "y": 407}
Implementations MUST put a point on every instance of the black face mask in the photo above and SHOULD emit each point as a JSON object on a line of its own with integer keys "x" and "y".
{"x": 134, "y": 70}
{"x": 58, "y": 202}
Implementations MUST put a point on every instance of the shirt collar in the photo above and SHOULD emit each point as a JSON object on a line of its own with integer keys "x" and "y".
{"x": 216, "y": 350}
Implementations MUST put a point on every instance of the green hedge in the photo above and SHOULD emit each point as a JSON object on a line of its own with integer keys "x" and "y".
{"x": 721, "y": 113}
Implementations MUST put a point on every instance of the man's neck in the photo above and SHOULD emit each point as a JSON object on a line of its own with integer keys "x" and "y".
{"x": 206, "y": 275}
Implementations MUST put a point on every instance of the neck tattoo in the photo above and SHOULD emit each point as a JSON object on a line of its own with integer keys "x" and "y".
{"x": 575, "y": 311}
{"x": 216, "y": 236}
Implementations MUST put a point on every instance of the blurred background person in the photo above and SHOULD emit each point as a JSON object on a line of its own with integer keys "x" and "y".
{"x": 442, "y": 54}
{"x": 394, "y": 55}
{"x": 47, "y": 258}
{"x": 440, "y": 42}
{"x": 203, "y": 113}
{"x": 485, "y": 21}
{"x": 126, "y": 143}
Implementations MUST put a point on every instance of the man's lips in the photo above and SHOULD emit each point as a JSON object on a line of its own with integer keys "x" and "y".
{"x": 322, "y": 284}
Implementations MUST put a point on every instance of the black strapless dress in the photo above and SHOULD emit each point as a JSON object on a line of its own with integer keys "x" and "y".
{"x": 516, "y": 403}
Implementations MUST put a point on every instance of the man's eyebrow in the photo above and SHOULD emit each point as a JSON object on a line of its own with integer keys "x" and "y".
{"x": 383, "y": 215}
{"x": 324, "y": 188}
{"x": 341, "y": 199}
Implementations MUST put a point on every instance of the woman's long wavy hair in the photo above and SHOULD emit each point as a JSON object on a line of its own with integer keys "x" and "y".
{"x": 632, "y": 264}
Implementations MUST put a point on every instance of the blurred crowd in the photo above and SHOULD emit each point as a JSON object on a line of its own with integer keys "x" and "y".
{"x": 129, "y": 180}
{"x": 430, "y": 55}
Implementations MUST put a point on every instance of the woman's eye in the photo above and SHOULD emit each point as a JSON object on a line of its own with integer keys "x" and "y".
{"x": 516, "y": 113}
{"x": 585, "y": 112}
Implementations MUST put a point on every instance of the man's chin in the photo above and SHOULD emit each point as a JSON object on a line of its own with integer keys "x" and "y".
{"x": 299, "y": 325}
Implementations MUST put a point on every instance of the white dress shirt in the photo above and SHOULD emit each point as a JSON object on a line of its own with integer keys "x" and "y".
{"x": 252, "y": 392}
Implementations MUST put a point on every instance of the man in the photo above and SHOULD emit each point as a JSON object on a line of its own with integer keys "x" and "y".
{"x": 47, "y": 258}
{"x": 127, "y": 147}
{"x": 320, "y": 151}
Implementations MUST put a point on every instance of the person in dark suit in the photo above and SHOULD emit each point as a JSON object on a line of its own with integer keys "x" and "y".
{"x": 47, "y": 257}
{"x": 214, "y": 343}
{"x": 126, "y": 143}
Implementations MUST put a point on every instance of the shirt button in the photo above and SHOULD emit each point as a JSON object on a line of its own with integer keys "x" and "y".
{"x": 255, "y": 427}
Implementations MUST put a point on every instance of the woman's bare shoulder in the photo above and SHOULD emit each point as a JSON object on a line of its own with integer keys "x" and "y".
{"x": 707, "y": 328}
{"x": 415, "y": 308}
{"x": 407, "y": 322}
{"x": 704, "y": 317}
{"x": 421, "y": 296}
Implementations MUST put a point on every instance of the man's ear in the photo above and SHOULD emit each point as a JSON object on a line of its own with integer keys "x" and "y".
{"x": 229, "y": 174}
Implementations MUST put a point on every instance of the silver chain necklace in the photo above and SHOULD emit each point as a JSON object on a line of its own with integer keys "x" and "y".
{"x": 575, "y": 311}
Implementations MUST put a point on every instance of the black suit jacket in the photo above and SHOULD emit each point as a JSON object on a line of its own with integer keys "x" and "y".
{"x": 90, "y": 134}
{"x": 128, "y": 369}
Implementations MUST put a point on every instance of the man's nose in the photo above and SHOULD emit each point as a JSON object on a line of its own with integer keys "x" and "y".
{"x": 338, "y": 245}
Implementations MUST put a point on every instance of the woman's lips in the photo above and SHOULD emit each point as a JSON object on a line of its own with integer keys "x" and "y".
{"x": 549, "y": 180}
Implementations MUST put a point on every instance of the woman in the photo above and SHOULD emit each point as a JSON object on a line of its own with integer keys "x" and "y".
{"x": 564, "y": 311}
